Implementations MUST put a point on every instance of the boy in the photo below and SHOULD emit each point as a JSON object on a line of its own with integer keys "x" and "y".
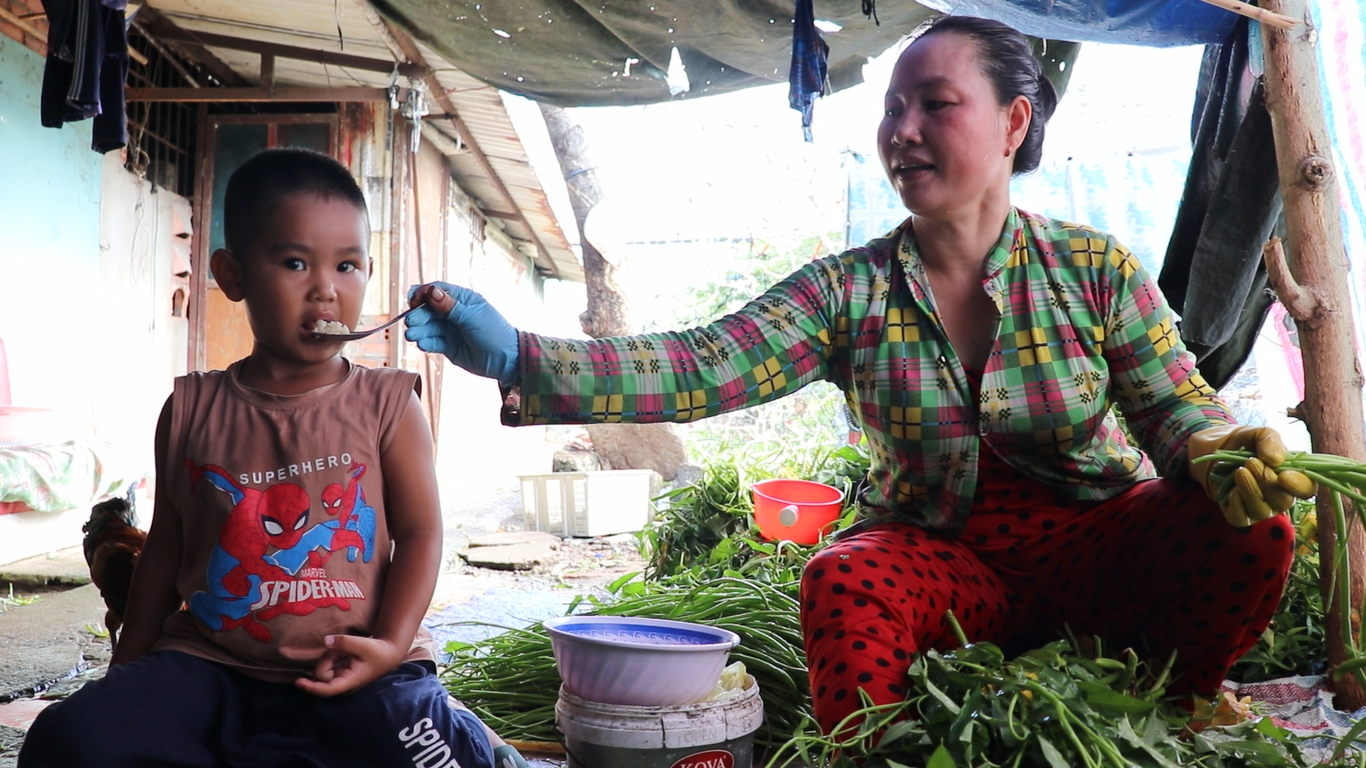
{"x": 275, "y": 614}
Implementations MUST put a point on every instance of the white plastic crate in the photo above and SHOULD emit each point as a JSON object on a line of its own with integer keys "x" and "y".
{"x": 587, "y": 503}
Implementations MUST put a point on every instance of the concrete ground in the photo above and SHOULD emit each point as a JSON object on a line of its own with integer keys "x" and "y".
{"x": 54, "y": 644}
{"x": 55, "y": 636}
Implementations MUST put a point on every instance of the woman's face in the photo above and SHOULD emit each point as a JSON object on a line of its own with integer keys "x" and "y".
{"x": 944, "y": 138}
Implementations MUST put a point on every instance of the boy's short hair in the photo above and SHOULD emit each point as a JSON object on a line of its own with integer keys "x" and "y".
{"x": 274, "y": 174}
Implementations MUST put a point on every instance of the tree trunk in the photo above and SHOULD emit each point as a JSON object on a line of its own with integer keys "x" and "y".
{"x": 608, "y": 313}
{"x": 630, "y": 446}
{"x": 1320, "y": 302}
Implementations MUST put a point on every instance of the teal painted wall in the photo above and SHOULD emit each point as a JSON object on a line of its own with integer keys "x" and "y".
{"x": 50, "y": 183}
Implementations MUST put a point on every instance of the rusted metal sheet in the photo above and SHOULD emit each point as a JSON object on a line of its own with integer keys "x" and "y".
{"x": 252, "y": 95}
{"x": 297, "y": 53}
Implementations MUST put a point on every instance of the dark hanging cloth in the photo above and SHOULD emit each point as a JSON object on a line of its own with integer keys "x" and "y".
{"x": 807, "y": 77}
{"x": 87, "y": 65}
{"x": 1213, "y": 274}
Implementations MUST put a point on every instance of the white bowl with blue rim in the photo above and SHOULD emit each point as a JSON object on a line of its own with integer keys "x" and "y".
{"x": 638, "y": 662}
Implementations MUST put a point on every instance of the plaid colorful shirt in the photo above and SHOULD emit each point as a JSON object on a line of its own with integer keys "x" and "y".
{"x": 1082, "y": 327}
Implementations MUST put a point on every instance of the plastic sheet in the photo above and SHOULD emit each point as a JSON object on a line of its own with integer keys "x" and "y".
{"x": 1159, "y": 23}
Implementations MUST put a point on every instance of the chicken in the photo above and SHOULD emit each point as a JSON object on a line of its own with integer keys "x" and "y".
{"x": 112, "y": 545}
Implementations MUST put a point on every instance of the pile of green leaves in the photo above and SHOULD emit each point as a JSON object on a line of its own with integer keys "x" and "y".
{"x": 700, "y": 524}
{"x": 1053, "y": 707}
{"x": 708, "y": 527}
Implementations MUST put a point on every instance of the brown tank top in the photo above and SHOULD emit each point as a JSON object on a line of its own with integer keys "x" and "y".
{"x": 281, "y": 504}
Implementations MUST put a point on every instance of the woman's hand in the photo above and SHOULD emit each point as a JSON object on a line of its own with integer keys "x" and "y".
{"x": 461, "y": 325}
{"x": 351, "y": 663}
{"x": 1249, "y": 492}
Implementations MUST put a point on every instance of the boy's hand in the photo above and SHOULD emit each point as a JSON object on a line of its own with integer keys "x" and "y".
{"x": 351, "y": 663}
{"x": 461, "y": 325}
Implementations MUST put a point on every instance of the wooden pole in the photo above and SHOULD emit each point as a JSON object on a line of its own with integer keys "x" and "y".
{"x": 1254, "y": 12}
{"x": 1317, "y": 290}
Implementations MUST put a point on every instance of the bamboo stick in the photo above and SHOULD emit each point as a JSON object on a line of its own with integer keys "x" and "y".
{"x": 19, "y": 22}
{"x": 1332, "y": 373}
{"x": 537, "y": 747}
{"x": 1253, "y": 12}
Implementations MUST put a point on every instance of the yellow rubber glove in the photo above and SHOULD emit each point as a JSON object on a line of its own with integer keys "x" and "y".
{"x": 1252, "y": 491}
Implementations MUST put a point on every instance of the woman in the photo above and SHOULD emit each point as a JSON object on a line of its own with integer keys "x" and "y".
{"x": 981, "y": 347}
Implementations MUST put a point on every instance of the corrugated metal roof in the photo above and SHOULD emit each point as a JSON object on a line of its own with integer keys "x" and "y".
{"x": 481, "y": 108}
{"x": 343, "y": 27}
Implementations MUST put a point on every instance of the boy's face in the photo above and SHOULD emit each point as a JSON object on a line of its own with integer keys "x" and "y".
{"x": 306, "y": 262}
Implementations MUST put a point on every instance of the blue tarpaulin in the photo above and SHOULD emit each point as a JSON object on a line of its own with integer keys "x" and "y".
{"x": 1125, "y": 22}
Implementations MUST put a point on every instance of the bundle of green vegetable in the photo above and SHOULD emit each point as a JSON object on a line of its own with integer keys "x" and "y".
{"x": 510, "y": 680}
{"x": 1055, "y": 707}
{"x": 699, "y": 523}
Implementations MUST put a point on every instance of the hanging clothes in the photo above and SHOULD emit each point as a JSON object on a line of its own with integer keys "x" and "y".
{"x": 87, "y": 65}
{"x": 1213, "y": 274}
{"x": 807, "y": 77}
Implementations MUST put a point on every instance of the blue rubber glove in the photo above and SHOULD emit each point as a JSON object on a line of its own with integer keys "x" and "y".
{"x": 459, "y": 324}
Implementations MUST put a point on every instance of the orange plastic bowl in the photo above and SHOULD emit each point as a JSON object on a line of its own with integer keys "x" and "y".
{"x": 799, "y": 511}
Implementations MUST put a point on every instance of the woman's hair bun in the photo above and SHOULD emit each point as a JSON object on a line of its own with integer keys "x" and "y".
{"x": 1047, "y": 103}
{"x": 1008, "y": 61}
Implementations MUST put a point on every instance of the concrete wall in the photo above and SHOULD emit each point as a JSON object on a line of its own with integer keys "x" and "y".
{"x": 88, "y": 254}
{"x": 49, "y": 249}
{"x": 144, "y": 259}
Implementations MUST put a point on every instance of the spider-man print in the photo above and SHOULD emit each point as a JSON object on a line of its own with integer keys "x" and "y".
{"x": 261, "y": 547}
{"x": 348, "y": 505}
{"x": 353, "y": 513}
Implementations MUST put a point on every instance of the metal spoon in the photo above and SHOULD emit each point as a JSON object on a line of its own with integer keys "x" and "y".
{"x": 354, "y": 335}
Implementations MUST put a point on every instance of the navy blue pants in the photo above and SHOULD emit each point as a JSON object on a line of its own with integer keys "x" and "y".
{"x": 172, "y": 709}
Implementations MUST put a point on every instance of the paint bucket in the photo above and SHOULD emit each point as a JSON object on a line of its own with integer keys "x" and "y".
{"x": 707, "y": 734}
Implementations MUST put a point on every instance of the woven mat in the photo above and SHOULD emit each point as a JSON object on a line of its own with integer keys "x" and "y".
{"x": 1302, "y": 705}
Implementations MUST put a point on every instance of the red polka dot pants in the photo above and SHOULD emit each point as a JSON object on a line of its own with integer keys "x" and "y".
{"x": 1157, "y": 568}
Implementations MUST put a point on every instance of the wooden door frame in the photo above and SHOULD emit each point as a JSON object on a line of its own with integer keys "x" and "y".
{"x": 203, "y": 207}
